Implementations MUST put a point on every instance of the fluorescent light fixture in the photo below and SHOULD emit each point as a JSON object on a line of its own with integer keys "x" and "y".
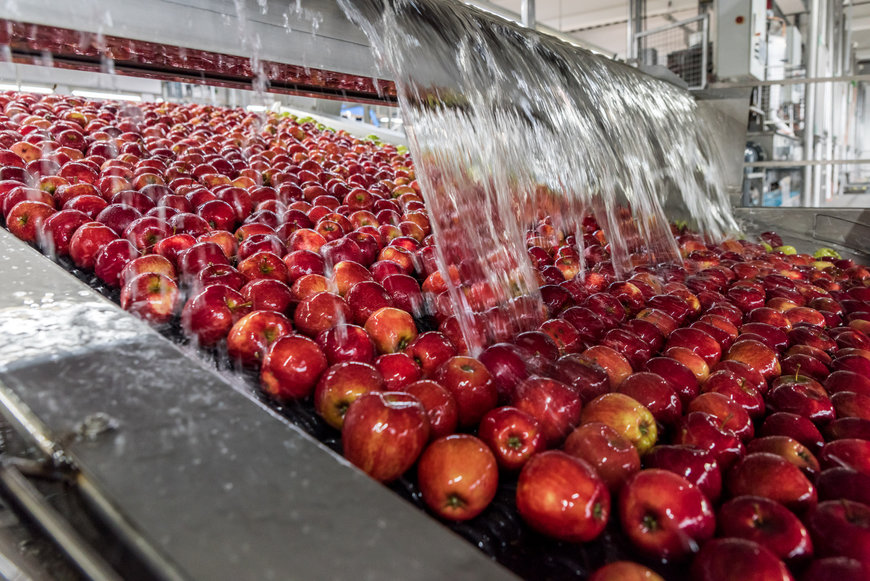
{"x": 256, "y": 108}
{"x": 111, "y": 96}
{"x": 26, "y": 88}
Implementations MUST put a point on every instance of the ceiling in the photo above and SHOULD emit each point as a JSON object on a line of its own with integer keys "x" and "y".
{"x": 602, "y": 23}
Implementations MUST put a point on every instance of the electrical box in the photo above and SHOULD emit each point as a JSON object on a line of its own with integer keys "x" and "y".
{"x": 741, "y": 39}
{"x": 794, "y": 46}
{"x": 793, "y": 60}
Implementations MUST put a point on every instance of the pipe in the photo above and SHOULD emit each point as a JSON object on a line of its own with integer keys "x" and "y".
{"x": 810, "y": 101}
{"x": 528, "y": 14}
{"x": 83, "y": 555}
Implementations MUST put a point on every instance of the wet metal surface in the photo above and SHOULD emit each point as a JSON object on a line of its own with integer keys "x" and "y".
{"x": 221, "y": 487}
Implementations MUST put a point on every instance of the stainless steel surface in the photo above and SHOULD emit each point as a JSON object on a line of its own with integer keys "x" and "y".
{"x": 313, "y": 33}
{"x": 726, "y": 111}
{"x": 83, "y": 555}
{"x": 805, "y": 163}
{"x": 218, "y": 485}
{"x": 794, "y": 81}
{"x": 847, "y": 230}
{"x": 807, "y": 195}
{"x": 22, "y": 419}
{"x": 528, "y": 13}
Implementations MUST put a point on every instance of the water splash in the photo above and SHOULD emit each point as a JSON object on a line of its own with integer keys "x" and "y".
{"x": 510, "y": 129}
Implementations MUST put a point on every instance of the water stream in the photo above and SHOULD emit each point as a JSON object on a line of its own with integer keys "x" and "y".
{"x": 508, "y": 127}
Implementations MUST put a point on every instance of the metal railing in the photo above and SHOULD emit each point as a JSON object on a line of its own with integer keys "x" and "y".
{"x": 678, "y": 43}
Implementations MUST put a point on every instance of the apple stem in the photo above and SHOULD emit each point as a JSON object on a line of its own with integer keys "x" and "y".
{"x": 454, "y": 501}
{"x": 797, "y": 371}
{"x": 598, "y": 511}
{"x": 650, "y": 522}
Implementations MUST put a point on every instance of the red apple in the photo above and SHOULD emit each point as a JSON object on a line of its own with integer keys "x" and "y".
{"x": 251, "y": 336}
{"x": 701, "y": 343}
{"x": 704, "y": 431}
{"x": 291, "y": 367}
{"x": 87, "y": 241}
{"x": 458, "y": 477}
{"x": 694, "y": 464}
{"x": 364, "y": 298}
{"x": 624, "y": 571}
{"x": 320, "y": 312}
{"x": 628, "y": 417}
{"x": 564, "y": 335}
{"x": 655, "y": 394}
{"x": 732, "y": 417}
{"x": 431, "y": 351}
{"x": 153, "y": 297}
{"x": 734, "y": 559}
{"x": 750, "y": 376}
{"x": 153, "y": 263}
{"x": 790, "y": 449}
{"x": 506, "y": 367}
{"x": 404, "y": 292}
{"x": 171, "y": 246}
{"x": 677, "y": 375}
{"x": 340, "y": 386}
{"x": 391, "y": 329}
{"x": 209, "y": 316}
{"x": 802, "y": 396}
{"x": 219, "y": 274}
{"x": 384, "y": 433}
{"x": 198, "y": 256}
{"x": 586, "y": 377}
{"x": 554, "y": 404}
{"x": 767, "y": 523}
{"x": 836, "y": 569}
{"x": 794, "y": 426}
{"x": 614, "y": 457}
{"x": 664, "y": 515}
{"x": 440, "y": 406}
{"x": 774, "y": 477}
{"x": 55, "y": 231}
{"x": 513, "y": 435}
{"x": 612, "y": 362}
{"x": 561, "y": 496}
{"x": 112, "y": 259}
{"x": 25, "y": 219}
{"x": 346, "y": 343}
{"x": 398, "y": 370}
{"x": 756, "y": 355}
{"x": 847, "y": 381}
{"x": 841, "y": 527}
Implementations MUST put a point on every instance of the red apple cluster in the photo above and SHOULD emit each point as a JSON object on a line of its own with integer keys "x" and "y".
{"x": 717, "y": 410}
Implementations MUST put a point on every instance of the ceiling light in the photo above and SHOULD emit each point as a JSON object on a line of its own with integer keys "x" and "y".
{"x": 26, "y": 88}
{"x": 111, "y": 96}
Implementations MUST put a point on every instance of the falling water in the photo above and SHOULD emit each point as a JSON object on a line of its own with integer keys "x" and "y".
{"x": 508, "y": 126}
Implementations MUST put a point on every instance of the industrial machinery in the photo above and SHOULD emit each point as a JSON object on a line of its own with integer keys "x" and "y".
{"x": 175, "y": 468}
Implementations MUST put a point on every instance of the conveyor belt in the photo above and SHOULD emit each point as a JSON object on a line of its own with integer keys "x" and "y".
{"x": 203, "y": 479}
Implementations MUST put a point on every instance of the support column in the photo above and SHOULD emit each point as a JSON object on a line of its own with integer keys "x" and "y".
{"x": 810, "y": 103}
{"x": 528, "y": 13}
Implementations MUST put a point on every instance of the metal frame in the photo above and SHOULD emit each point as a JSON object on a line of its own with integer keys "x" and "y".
{"x": 813, "y": 162}
{"x": 705, "y": 39}
{"x": 798, "y": 227}
{"x": 29, "y": 43}
{"x": 198, "y": 478}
